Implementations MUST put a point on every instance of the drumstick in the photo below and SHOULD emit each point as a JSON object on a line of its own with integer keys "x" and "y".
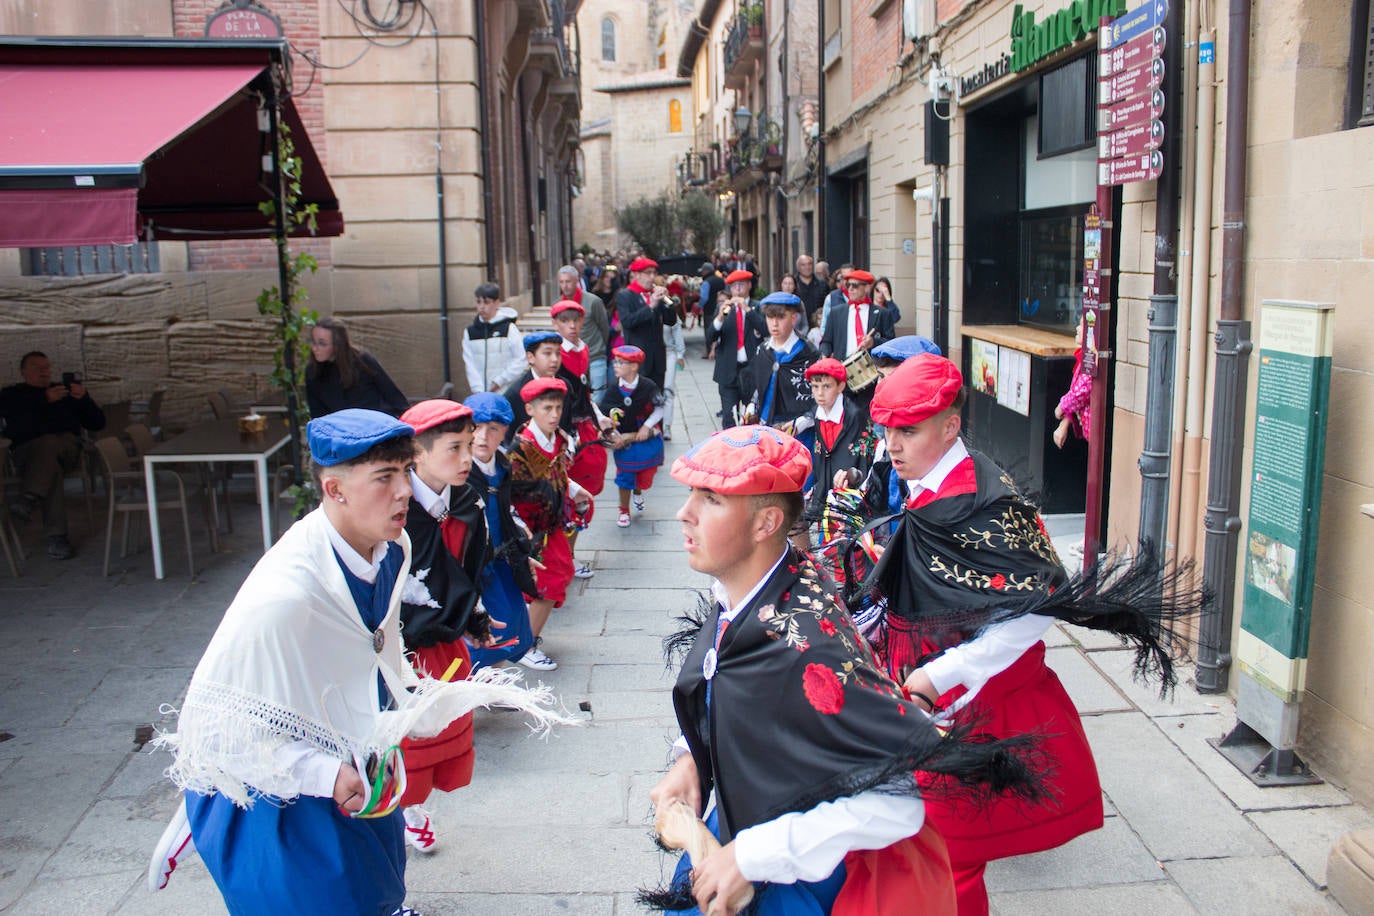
{"x": 679, "y": 828}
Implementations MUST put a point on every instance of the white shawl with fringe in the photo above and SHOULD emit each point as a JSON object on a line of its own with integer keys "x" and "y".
{"x": 292, "y": 661}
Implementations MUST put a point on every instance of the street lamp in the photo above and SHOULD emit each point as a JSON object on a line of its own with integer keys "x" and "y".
{"x": 742, "y": 118}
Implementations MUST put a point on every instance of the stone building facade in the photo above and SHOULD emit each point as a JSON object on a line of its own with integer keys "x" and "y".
{"x": 390, "y": 114}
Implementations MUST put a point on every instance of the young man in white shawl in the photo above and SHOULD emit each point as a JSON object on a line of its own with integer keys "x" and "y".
{"x": 287, "y": 743}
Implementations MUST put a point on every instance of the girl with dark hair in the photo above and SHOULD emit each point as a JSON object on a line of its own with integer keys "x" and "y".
{"x": 882, "y": 295}
{"x": 340, "y": 375}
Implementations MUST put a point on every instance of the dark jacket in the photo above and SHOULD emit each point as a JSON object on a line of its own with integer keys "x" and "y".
{"x": 642, "y": 327}
{"x": 792, "y": 396}
{"x": 28, "y": 414}
{"x": 373, "y": 389}
{"x": 727, "y": 370}
{"x": 812, "y": 294}
{"x": 441, "y": 605}
{"x": 854, "y": 450}
{"x": 838, "y": 327}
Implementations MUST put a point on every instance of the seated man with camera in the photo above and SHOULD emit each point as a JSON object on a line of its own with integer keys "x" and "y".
{"x": 43, "y": 421}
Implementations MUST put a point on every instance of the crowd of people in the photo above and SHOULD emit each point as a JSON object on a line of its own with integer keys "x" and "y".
{"x": 885, "y": 586}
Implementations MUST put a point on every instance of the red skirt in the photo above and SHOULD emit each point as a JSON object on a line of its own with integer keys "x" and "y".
{"x": 553, "y": 579}
{"x": 589, "y": 464}
{"x": 443, "y": 762}
{"x": 1025, "y": 698}
{"x": 910, "y": 876}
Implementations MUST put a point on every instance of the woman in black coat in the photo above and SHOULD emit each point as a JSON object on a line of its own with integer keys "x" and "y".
{"x": 339, "y": 375}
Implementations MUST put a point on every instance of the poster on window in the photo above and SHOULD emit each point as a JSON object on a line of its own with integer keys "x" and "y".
{"x": 1013, "y": 380}
{"x": 984, "y": 366}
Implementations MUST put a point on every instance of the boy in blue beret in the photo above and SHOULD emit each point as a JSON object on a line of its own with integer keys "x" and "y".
{"x": 287, "y": 744}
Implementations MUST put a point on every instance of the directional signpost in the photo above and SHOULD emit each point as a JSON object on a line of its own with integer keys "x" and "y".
{"x": 1130, "y": 73}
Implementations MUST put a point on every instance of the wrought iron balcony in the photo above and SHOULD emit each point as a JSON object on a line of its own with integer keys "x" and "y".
{"x": 744, "y": 44}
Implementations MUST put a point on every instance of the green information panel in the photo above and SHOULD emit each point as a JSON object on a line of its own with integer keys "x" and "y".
{"x": 1285, "y": 493}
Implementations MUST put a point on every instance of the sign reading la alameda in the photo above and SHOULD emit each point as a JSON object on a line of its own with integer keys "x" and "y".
{"x": 1033, "y": 41}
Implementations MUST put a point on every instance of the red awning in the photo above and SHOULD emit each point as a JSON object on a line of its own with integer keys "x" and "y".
{"x": 103, "y": 144}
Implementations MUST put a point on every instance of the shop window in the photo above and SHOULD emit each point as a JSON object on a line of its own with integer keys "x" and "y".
{"x": 608, "y": 40}
{"x": 87, "y": 260}
{"x": 1056, "y": 195}
{"x": 1068, "y": 111}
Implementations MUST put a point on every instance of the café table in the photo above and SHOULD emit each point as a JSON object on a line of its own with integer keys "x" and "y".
{"x": 217, "y": 441}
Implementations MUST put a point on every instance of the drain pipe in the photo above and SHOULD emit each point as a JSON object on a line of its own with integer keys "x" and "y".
{"x": 1222, "y": 521}
{"x": 479, "y": 27}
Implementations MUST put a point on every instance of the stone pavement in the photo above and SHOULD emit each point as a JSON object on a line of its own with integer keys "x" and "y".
{"x": 560, "y": 825}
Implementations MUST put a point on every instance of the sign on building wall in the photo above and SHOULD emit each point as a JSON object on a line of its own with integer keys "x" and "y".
{"x": 1295, "y": 343}
{"x": 242, "y": 19}
{"x": 1130, "y": 70}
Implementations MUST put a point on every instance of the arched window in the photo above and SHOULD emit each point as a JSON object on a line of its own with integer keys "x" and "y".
{"x": 674, "y": 117}
{"x": 608, "y": 39}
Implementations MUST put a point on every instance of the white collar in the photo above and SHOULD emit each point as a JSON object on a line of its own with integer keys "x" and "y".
{"x": 835, "y": 414}
{"x": 486, "y": 467}
{"x": 547, "y": 443}
{"x": 935, "y": 477}
{"x": 569, "y": 348}
{"x": 363, "y": 569}
{"x": 436, "y": 504}
{"x": 631, "y": 385}
{"x": 718, "y": 591}
{"x": 787, "y": 345}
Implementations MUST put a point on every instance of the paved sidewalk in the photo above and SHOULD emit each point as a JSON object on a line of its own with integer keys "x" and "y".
{"x": 561, "y": 825}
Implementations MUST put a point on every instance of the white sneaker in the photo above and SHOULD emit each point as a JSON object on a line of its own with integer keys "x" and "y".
{"x": 537, "y": 660}
{"x": 639, "y": 502}
{"x": 582, "y": 570}
{"x": 419, "y": 830}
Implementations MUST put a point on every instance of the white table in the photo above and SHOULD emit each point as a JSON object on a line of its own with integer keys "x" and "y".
{"x": 217, "y": 441}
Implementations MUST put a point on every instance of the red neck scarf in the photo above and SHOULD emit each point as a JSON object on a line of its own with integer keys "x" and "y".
{"x": 577, "y": 295}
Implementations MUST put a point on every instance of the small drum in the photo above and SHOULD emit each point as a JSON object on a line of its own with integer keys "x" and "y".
{"x": 859, "y": 370}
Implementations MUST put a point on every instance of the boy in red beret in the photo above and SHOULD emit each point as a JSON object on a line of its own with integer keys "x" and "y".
{"x": 971, "y": 583}
{"x": 547, "y": 500}
{"x": 440, "y": 603}
{"x": 815, "y": 799}
{"x": 844, "y": 437}
{"x": 635, "y": 406}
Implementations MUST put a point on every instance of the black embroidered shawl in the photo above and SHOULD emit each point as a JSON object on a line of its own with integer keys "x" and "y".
{"x": 792, "y": 391}
{"x": 801, "y": 713}
{"x": 635, "y": 408}
{"x": 440, "y": 605}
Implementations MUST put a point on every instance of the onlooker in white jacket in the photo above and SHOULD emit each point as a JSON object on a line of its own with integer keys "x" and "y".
{"x": 493, "y": 347}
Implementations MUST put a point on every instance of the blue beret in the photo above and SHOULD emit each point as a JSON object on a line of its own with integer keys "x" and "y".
{"x": 903, "y": 348}
{"x": 490, "y": 407}
{"x": 535, "y": 338}
{"x": 786, "y": 299}
{"x": 344, "y": 435}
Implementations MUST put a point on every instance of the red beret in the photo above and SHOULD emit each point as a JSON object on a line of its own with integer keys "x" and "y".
{"x": 859, "y": 274}
{"x": 737, "y": 276}
{"x": 538, "y": 386}
{"x": 429, "y": 414}
{"x": 829, "y": 366}
{"x": 746, "y": 461}
{"x": 628, "y": 353}
{"x": 643, "y": 264}
{"x": 566, "y": 305}
{"x": 920, "y": 387}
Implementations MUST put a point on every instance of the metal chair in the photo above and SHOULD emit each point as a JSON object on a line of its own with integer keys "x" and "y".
{"x": 128, "y": 495}
{"x": 142, "y": 440}
{"x": 219, "y": 405}
{"x": 9, "y": 535}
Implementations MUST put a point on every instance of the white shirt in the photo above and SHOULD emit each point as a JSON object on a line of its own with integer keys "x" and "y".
{"x": 359, "y": 566}
{"x": 853, "y": 342}
{"x": 808, "y": 845}
{"x": 436, "y": 504}
{"x": 834, "y": 415}
{"x": 993, "y": 651}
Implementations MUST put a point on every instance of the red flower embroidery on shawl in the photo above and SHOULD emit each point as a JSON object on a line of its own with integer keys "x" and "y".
{"x": 827, "y": 627}
{"x": 823, "y": 689}
{"x": 998, "y": 581}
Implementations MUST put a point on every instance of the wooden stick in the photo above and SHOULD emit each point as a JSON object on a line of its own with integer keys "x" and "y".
{"x": 679, "y": 828}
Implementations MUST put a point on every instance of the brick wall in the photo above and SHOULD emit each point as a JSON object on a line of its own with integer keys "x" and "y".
{"x": 300, "y": 20}
{"x": 875, "y": 44}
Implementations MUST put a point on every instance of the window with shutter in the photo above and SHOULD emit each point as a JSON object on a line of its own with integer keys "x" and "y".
{"x": 85, "y": 260}
{"x": 1361, "y": 110}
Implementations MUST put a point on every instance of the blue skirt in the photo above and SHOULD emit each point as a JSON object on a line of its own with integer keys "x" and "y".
{"x": 805, "y": 898}
{"x": 503, "y": 601}
{"x": 303, "y": 857}
{"x": 640, "y": 456}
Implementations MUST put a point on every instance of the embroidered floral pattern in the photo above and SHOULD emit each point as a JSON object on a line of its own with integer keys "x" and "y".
{"x": 1013, "y": 531}
{"x": 823, "y": 689}
{"x": 972, "y": 578}
{"x": 416, "y": 592}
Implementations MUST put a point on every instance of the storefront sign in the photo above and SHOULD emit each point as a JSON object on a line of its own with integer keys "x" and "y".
{"x": 1145, "y": 78}
{"x": 242, "y": 19}
{"x": 1131, "y": 141}
{"x": 1145, "y": 167}
{"x": 989, "y": 74}
{"x": 1292, "y": 403}
{"x": 1139, "y": 50}
{"x": 1133, "y": 24}
{"x": 1138, "y": 110}
{"x": 1033, "y": 41}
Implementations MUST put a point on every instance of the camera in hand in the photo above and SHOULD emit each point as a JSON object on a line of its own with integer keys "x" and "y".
{"x": 69, "y": 379}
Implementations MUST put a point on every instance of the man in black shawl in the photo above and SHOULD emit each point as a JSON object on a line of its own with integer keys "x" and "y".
{"x": 785, "y": 715}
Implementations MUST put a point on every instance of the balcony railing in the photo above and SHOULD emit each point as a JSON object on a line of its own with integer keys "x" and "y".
{"x": 743, "y": 43}
{"x": 760, "y": 147}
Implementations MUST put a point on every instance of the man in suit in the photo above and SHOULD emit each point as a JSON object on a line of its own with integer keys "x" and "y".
{"x": 739, "y": 330}
{"x": 858, "y": 324}
{"x": 644, "y": 311}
